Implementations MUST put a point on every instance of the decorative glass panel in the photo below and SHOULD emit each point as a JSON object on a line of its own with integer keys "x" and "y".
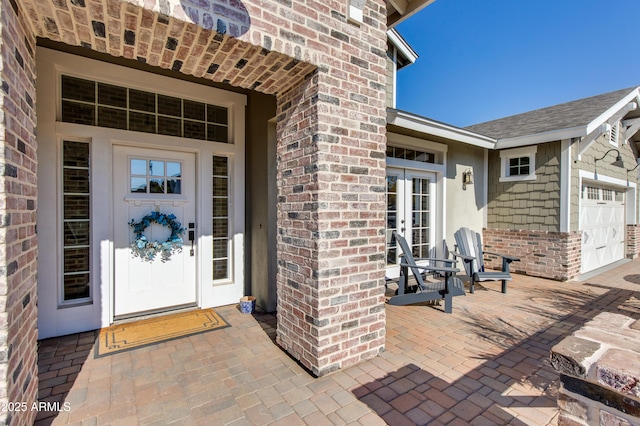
{"x": 142, "y": 101}
{"x": 168, "y": 105}
{"x": 139, "y": 122}
{"x": 392, "y": 217}
{"x": 78, "y": 89}
{"x": 112, "y": 95}
{"x": 169, "y": 126}
{"x": 113, "y": 118}
{"x": 139, "y": 185}
{"x": 156, "y": 186}
{"x": 73, "y": 112}
{"x": 410, "y": 154}
{"x": 156, "y": 168}
{"x": 105, "y": 105}
{"x": 420, "y": 218}
{"x": 138, "y": 167}
{"x": 174, "y": 169}
{"x": 155, "y": 176}
{"x": 76, "y": 223}
{"x": 220, "y": 218}
{"x": 194, "y": 110}
{"x": 217, "y": 133}
{"x": 194, "y": 130}
{"x": 216, "y": 114}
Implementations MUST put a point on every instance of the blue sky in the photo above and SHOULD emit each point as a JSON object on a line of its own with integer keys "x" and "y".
{"x": 482, "y": 60}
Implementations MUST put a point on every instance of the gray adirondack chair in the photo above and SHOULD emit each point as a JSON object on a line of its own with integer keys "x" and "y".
{"x": 469, "y": 245}
{"x": 424, "y": 291}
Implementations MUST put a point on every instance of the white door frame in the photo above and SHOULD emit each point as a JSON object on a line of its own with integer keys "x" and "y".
{"x": 55, "y": 319}
{"x": 404, "y": 208}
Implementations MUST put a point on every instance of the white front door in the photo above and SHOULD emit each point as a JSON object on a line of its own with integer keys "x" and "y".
{"x": 411, "y": 198}
{"x": 144, "y": 181}
{"x": 602, "y": 222}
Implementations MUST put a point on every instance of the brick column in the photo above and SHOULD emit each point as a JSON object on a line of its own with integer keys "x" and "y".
{"x": 633, "y": 241}
{"x": 18, "y": 249}
{"x": 331, "y": 207}
{"x": 600, "y": 373}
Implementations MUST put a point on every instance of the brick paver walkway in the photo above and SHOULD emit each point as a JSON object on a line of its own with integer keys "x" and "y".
{"x": 486, "y": 364}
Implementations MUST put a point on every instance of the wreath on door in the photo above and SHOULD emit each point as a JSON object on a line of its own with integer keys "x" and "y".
{"x": 148, "y": 250}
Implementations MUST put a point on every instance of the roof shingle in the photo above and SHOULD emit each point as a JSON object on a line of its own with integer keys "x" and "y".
{"x": 557, "y": 117}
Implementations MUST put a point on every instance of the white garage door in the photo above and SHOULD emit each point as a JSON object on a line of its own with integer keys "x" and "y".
{"x": 602, "y": 222}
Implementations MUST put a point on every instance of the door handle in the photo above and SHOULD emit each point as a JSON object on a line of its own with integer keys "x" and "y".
{"x": 192, "y": 236}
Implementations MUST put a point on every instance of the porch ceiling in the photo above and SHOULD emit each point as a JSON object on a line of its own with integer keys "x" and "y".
{"x": 399, "y": 10}
{"x": 182, "y": 39}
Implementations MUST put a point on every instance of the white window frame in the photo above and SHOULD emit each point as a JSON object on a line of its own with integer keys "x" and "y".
{"x": 507, "y": 154}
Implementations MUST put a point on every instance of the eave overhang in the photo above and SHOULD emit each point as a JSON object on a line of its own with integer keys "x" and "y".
{"x": 587, "y": 133}
{"x": 399, "y": 10}
{"x": 424, "y": 125}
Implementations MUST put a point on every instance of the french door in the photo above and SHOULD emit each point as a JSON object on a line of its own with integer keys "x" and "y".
{"x": 411, "y": 201}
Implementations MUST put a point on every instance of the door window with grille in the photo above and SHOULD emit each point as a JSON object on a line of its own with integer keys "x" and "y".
{"x": 410, "y": 212}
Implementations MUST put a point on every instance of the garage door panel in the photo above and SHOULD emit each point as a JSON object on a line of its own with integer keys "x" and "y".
{"x": 602, "y": 222}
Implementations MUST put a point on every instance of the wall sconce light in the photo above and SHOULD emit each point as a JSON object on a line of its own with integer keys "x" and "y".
{"x": 617, "y": 163}
{"x": 467, "y": 178}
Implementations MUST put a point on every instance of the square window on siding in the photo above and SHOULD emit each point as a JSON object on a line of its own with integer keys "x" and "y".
{"x": 518, "y": 164}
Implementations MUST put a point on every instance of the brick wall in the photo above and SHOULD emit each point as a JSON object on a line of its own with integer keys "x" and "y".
{"x": 600, "y": 371}
{"x": 18, "y": 296}
{"x": 331, "y": 210}
{"x": 633, "y": 241}
{"x": 329, "y": 76}
{"x": 554, "y": 255}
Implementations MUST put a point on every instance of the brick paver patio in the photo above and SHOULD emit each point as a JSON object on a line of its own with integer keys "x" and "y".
{"x": 486, "y": 364}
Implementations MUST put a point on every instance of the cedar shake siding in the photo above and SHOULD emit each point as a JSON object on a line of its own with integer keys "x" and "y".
{"x": 532, "y": 205}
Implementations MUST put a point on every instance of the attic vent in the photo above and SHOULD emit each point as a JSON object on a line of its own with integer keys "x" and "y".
{"x": 613, "y": 136}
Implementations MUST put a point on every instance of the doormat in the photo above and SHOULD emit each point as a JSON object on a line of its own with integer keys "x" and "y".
{"x": 136, "y": 334}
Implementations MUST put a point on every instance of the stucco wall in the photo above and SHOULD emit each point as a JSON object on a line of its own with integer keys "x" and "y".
{"x": 532, "y": 205}
{"x": 261, "y": 201}
{"x": 465, "y": 207}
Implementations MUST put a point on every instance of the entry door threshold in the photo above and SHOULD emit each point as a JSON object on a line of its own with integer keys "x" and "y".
{"x": 121, "y": 319}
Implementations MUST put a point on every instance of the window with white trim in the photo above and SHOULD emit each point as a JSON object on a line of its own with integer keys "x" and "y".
{"x": 518, "y": 164}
